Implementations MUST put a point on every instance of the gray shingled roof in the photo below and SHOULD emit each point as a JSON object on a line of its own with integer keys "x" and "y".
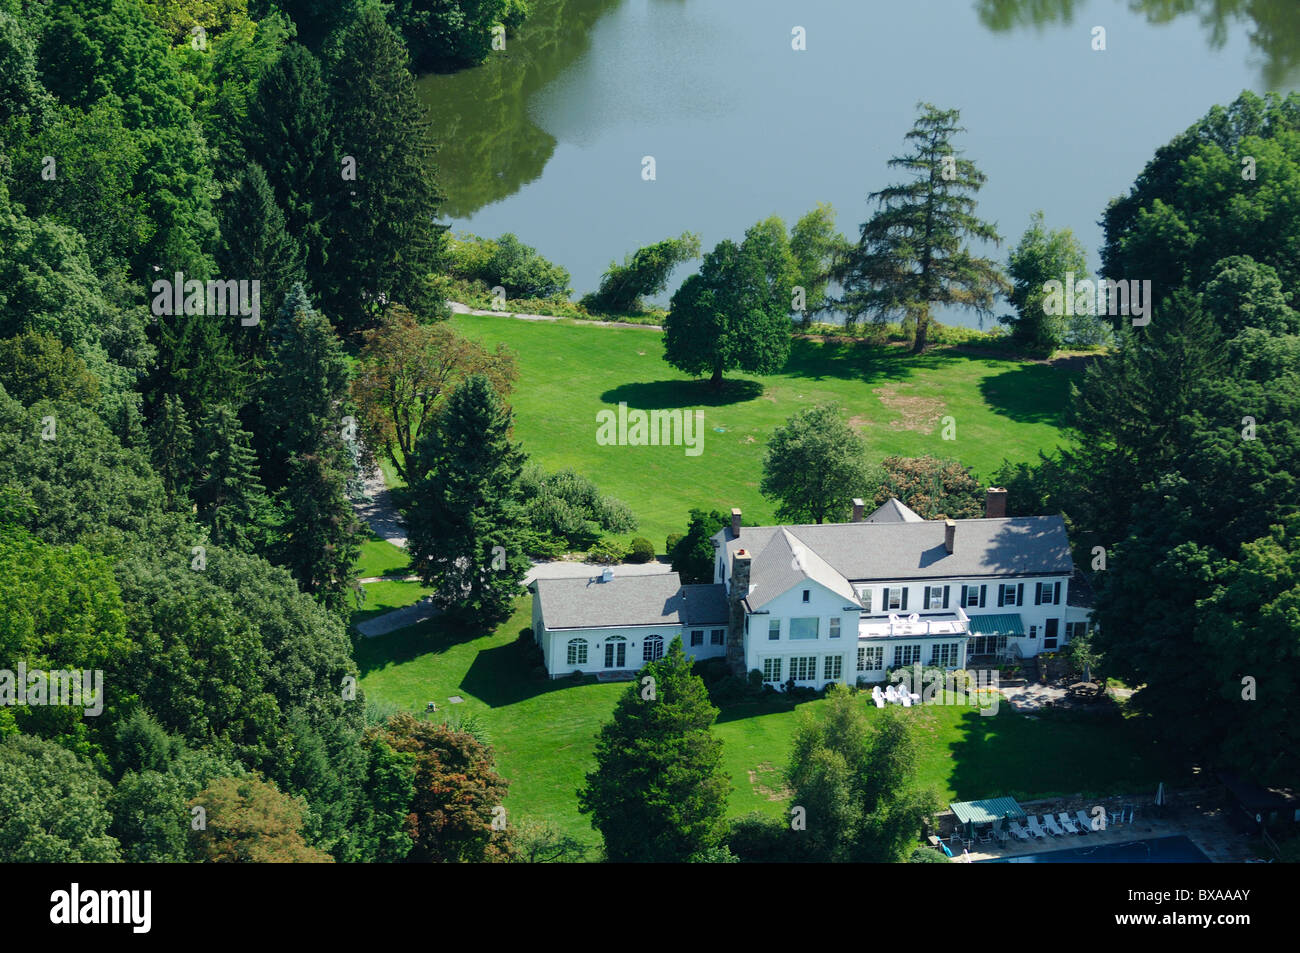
{"x": 776, "y": 570}
{"x": 864, "y": 552}
{"x": 658, "y": 599}
{"x": 893, "y": 511}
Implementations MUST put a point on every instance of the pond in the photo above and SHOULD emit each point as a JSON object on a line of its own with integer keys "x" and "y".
{"x": 547, "y": 139}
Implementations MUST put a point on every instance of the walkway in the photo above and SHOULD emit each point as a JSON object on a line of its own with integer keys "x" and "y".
{"x": 459, "y": 308}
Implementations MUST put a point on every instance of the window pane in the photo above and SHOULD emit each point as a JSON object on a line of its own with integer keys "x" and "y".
{"x": 803, "y": 628}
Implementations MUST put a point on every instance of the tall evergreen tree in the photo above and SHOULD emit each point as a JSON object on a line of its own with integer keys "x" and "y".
{"x": 464, "y": 520}
{"x": 230, "y": 498}
{"x": 320, "y": 541}
{"x": 302, "y": 394}
{"x": 914, "y": 253}
{"x": 289, "y": 128}
{"x": 659, "y": 794}
{"x": 383, "y": 240}
{"x": 171, "y": 442}
{"x": 256, "y": 247}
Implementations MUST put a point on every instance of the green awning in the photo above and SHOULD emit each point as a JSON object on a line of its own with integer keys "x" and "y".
{"x": 1008, "y": 624}
{"x": 987, "y": 811}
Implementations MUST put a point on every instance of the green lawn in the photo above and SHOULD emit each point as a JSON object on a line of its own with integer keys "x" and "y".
{"x": 544, "y": 732}
{"x": 569, "y": 370}
{"x": 385, "y": 596}
{"x": 380, "y": 558}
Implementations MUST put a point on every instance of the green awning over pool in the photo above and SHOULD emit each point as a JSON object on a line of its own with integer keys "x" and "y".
{"x": 987, "y": 811}
{"x": 1008, "y": 624}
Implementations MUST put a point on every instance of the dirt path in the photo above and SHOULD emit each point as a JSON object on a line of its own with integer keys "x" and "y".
{"x": 459, "y": 308}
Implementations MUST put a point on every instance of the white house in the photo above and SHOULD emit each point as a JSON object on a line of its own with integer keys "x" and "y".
{"x": 836, "y": 602}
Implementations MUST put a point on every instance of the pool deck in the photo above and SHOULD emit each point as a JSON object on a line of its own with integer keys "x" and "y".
{"x": 1206, "y": 827}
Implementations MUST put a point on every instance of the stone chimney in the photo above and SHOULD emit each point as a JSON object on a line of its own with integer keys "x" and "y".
{"x": 949, "y": 535}
{"x": 859, "y": 510}
{"x": 740, "y": 563}
{"x": 995, "y": 503}
{"x": 735, "y": 523}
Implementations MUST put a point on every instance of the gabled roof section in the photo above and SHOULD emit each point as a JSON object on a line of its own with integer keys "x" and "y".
{"x": 785, "y": 563}
{"x": 704, "y": 604}
{"x": 868, "y": 552}
{"x": 894, "y": 511}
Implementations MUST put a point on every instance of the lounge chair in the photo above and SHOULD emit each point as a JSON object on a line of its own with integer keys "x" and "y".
{"x": 1085, "y": 821}
{"x": 1034, "y": 827}
{"x": 1117, "y": 817}
{"x": 877, "y": 697}
{"x": 1055, "y": 829}
{"x": 1068, "y": 823}
{"x": 891, "y": 694}
{"x": 904, "y": 698}
{"x": 1019, "y": 832}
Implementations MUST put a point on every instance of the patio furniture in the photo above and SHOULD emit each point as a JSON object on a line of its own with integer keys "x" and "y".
{"x": 877, "y": 697}
{"x": 1117, "y": 817}
{"x": 1067, "y": 822}
{"x": 904, "y": 698}
{"x": 955, "y": 841}
{"x": 1055, "y": 829}
{"x": 1017, "y": 831}
{"x": 1084, "y": 820}
{"x": 1034, "y": 827}
{"x": 985, "y": 837}
{"x": 891, "y": 694}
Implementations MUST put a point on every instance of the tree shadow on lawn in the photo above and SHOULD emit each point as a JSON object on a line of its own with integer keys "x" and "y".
{"x": 497, "y": 678}
{"x": 742, "y": 710}
{"x": 430, "y": 637}
{"x": 861, "y": 361}
{"x": 1029, "y": 393}
{"x": 668, "y": 395}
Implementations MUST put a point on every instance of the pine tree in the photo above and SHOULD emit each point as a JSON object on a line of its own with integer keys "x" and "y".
{"x": 658, "y": 793}
{"x": 256, "y": 247}
{"x": 914, "y": 253}
{"x": 320, "y": 541}
{"x": 383, "y": 240}
{"x": 230, "y": 498}
{"x": 171, "y": 441}
{"x": 290, "y": 117}
{"x": 464, "y": 521}
{"x": 302, "y": 392}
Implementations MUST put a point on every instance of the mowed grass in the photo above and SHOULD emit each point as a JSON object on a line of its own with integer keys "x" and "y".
{"x": 568, "y": 371}
{"x": 544, "y": 732}
{"x": 380, "y": 558}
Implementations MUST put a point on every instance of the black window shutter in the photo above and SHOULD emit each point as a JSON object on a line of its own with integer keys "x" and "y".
{"x": 1020, "y": 594}
{"x": 1002, "y": 594}
{"x": 1038, "y": 594}
{"x": 905, "y": 597}
{"x": 984, "y": 594}
{"x": 946, "y": 590}
{"x": 1056, "y": 594}
{"x": 925, "y": 599}
{"x": 963, "y": 596}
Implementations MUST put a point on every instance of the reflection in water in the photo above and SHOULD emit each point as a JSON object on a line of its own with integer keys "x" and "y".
{"x": 490, "y": 147}
{"x": 1274, "y": 24}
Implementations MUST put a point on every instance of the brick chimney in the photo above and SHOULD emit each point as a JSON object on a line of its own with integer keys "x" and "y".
{"x": 740, "y": 563}
{"x": 949, "y": 535}
{"x": 995, "y": 503}
{"x": 859, "y": 510}
{"x": 735, "y": 523}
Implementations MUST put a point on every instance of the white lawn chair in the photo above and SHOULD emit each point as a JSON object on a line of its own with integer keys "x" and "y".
{"x": 1085, "y": 822}
{"x": 1018, "y": 832}
{"x": 1068, "y": 823}
{"x": 876, "y": 697}
{"x": 1034, "y": 827}
{"x": 904, "y": 698}
{"x": 891, "y": 694}
{"x": 1053, "y": 828}
{"x": 1117, "y": 818}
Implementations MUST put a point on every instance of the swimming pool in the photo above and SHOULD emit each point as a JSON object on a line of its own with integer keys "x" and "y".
{"x": 1160, "y": 850}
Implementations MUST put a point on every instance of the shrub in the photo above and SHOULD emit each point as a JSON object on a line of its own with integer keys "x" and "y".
{"x": 759, "y": 839}
{"x": 508, "y": 262}
{"x": 928, "y": 855}
{"x": 642, "y": 273}
{"x": 606, "y": 551}
{"x": 642, "y": 551}
{"x": 672, "y": 540}
{"x": 537, "y": 673}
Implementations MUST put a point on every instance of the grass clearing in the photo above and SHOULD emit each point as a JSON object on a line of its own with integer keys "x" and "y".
{"x": 569, "y": 370}
{"x": 544, "y": 732}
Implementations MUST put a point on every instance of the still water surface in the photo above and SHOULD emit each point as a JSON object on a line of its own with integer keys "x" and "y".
{"x": 547, "y": 139}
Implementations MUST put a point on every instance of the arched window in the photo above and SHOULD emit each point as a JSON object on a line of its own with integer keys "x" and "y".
{"x": 653, "y": 648}
{"x": 577, "y": 652}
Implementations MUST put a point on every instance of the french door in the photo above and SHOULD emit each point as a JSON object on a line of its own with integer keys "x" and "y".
{"x": 615, "y": 652}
